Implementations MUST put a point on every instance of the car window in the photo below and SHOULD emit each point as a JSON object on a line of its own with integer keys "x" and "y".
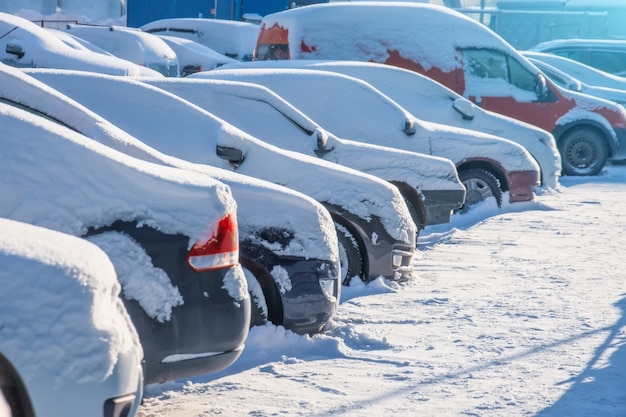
{"x": 493, "y": 73}
{"x": 609, "y": 61}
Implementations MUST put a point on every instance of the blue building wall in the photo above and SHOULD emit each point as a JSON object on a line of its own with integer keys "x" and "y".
{"x": 140, "y": 12}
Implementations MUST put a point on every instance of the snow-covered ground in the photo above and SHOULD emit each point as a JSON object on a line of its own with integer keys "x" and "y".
{"x": 518, "y": 312}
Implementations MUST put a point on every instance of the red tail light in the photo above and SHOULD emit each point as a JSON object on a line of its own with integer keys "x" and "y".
{"x": 220, "y": 250}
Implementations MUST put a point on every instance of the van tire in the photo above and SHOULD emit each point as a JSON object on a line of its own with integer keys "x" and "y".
{"x": 583, "y": 152}
{"x": 480, "y": 184}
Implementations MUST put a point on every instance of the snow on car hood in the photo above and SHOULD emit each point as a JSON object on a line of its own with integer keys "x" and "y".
{"x": 178, "y": 128}
{"x": 311, "y": 224}
{"x": 370, "y": 116}
{"x": 259, "y": 111}
{"x": 43, "y": 49}
{"x": 60, "y": 307}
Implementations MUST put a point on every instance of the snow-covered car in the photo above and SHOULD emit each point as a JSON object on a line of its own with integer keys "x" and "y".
{"x": 67, "y": 344}
{"x": 608, "y": 55}
{"x": 130, "y": 44}
{"x": 487, "y": 165}
{"x": 376, "y": 233}
{"x": 229, "y": 37}
{"x": 584, "y": 73}
{"x": 434, "y": 102}
{"x": 287, "y": 243}
{"x": 171, "y": 234}
{"x": 574, "y": 84}
{"x": 82, "y": 45}
{"x": 430, "y": 185}
{"x": 193, "y": 56}
{"x": 25, "y": 44}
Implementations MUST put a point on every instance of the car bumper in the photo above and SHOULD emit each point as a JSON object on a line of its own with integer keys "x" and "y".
{"x": 522, "y": 185}
{"x": 203, "y": 335}
{"x": 440, "y": 204}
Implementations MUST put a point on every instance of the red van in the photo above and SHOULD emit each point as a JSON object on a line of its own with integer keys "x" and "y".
{"x": 460, "y": 53}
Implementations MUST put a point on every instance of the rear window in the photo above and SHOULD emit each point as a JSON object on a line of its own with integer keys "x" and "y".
{"x": 272, "y": 51}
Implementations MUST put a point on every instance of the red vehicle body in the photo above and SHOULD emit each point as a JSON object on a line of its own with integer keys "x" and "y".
{"x": 460, "y": 53}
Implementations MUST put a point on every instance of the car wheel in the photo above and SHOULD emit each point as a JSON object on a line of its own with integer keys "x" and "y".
{"x": 479, "y": 185}
{"x": 266, "y": 304}
{"x": 583, "y": 152}
{"x": 350, "y": 256}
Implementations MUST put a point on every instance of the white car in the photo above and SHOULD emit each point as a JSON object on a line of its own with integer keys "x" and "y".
{"x": 229, "y": 37}
{"x": 582, "y": 72}
{"x": 131, "y": 44}
{"x": 487, "y": 165}
{"x": 430, "y": 185}
{"x": 67, "y": 344}
{"x": 377, "y": 233}
{"x": 574, "y": 84}
{"x": 193, "y": 56}
{"x": 25, "y": 44}
{"x": 434, "y": 102}
{"x": 282, "y": 233}
{"x": 171, "y": 234}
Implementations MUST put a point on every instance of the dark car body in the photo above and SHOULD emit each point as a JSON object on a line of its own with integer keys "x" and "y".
{"x": 196, "y": 254}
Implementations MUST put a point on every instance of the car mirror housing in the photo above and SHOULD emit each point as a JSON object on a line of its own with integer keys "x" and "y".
{"x": 14, "y": 49}
{"x": 464, "y": 107}
{"x": 233, "y": 155}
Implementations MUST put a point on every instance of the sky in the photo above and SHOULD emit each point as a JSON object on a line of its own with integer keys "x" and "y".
{"x": 513, "y": 312}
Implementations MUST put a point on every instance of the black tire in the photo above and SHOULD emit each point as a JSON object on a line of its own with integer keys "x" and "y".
{"x": 480, "y": 185}
{"x": 350, "y": 256}
{"x": 583, "y": 152}
{"x": 271, "y": 295}
{"x": 13, "y": 390}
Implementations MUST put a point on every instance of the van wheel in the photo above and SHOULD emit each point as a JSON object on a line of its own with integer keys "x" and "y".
{"x": 479, "y": 185}
{"x": 583, "y": 152}
{"x": 350, "y": 256}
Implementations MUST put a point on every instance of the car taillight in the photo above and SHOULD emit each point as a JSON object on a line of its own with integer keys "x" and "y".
{"x": 220, "y": 250}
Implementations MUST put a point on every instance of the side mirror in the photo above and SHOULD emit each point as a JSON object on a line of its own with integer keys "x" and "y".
{"x": 14, "y": 49}
{"x": 233, "y": 155}
{"x": 322, "y": 140}
{"x": 464, "y": 107}
{"x": 409, "y": 126}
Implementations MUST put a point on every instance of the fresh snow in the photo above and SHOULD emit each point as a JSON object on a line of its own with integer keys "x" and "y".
{"x": 512, "y": 312}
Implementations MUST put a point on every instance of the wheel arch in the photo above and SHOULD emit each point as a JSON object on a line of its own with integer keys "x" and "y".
{"x": 270, "y": 290}
{"x": 14, "y": 390}
{"x": 411, "y": 195}
{"x": 488, "y": 165}
{"x": 337, "y": 218}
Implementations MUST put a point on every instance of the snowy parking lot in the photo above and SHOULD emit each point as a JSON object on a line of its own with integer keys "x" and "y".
{"x": 513, "y": 312}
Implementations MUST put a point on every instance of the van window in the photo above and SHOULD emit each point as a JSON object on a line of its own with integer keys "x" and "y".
{"x": 492, "y": 73}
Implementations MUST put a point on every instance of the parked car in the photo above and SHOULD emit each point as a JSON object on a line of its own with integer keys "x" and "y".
{"x": 171, "y": 234}
{"x": 487, "y": 165}
{"x": 429, "y": 185}
{"x": 433, "y": 102}
{"x": 584, "y": 73}
{"x": 24, "y": 44}
{"x": 78, "y": 342}
{"x": 376, "y": 233}
{"x": 82, "y": 45}
{"x": 193, "y": 56}
{"x": 229, "y": 37}
{"x": 287, "y": 243}
{"x": 574, "y": 84}
{"x": 131, "y": 44}
{"x": 466, "y": 57}
{"x": 608, "y": 55}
